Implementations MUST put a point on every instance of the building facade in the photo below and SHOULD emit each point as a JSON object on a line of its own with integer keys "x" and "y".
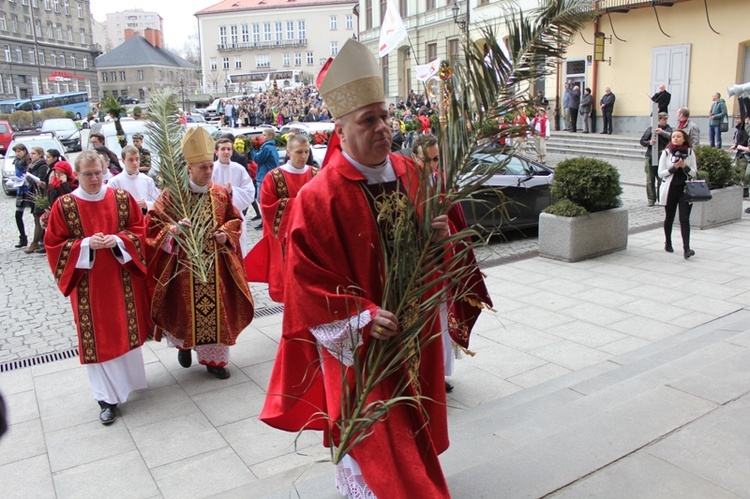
{"x": 136, "y": 68}
{"x": 245, "y": 39}
{"x": 47, "y": 48}
{"x": 133, "y": 19}
{"x": 693, "y": 48}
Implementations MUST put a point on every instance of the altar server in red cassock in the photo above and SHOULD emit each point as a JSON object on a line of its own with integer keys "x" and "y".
{"x": 333, "y": 288}
{"x": 95, "y": 244}
{"x": 207, "y": 316}
{"x": 265, "y": 262}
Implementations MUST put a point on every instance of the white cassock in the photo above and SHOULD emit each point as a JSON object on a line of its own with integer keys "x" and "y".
{"x": 243, "y": 192}
{"x": 139, "y": 185}
{"x": 113, "y": 380}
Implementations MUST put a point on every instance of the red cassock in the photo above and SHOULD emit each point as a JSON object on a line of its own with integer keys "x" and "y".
{"x": 332, "y": 272}
{"x": 110, "y": 301}
{"x": 265, "y": 261}
{"x": 210, "y": 313}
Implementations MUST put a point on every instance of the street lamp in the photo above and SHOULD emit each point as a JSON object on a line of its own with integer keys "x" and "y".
{"x": 182, "y": 91}
{"x": 463, "y": 24}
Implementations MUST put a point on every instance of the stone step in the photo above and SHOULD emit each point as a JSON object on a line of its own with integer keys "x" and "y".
{"x": 591, "y": 423}
{"x": 538, "y": 440}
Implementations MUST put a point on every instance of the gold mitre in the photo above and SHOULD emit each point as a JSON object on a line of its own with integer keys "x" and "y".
{"x": 198, "y": 146}
{"x": 352, "y": 80}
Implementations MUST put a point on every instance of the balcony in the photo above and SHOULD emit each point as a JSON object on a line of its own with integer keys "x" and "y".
{"x": 625, "y": 5}
{"x": 280, "y": 44}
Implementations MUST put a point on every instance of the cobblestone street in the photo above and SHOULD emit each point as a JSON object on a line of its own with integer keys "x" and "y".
{"x": 37, "y": 319}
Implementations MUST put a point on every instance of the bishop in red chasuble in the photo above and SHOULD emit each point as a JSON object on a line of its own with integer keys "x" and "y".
{"x": 209, "y": 315}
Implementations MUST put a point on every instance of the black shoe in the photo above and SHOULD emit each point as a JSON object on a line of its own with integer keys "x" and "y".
{"x": 107, "y": 415}
{"x": 255, "y": 218}
{"x": 448, "y": 387}
{"x": 22, "y": 242}
{"x": 219, "y": 372}
{"x": 185, "y": 358}
{"x": 41, "y": 250}
{"x": 609, "y": 133}
{"x": 603, "y": 133}
{"x": 688, "y": 253}
{"x": 668, "y": 248}
{"x": 747, "y": 210}
{"x": 651, "y": 203}
{"x": 259, "y": 226}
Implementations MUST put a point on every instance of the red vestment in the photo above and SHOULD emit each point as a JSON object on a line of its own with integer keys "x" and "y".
{"x": 210, "y": 313}
{"x": 265, "y": 262}
{"x": 333, "y": 273}
{"x": 110, "y": 300}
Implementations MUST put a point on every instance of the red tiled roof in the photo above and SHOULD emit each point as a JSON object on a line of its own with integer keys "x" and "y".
{"x": 240, "y": 5}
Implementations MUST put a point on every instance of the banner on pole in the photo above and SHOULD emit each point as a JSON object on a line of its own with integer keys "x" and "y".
{"x": 427, "y": 71}
{"x": 392, "y": 30}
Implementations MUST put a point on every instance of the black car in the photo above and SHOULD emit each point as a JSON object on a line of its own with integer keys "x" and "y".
{"x": 512, "y": 198}
{"x": 125, "y": 99}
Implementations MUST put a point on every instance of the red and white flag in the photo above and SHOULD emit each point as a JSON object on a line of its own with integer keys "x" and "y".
{"x": 427, "y": 71}
{"x": 392, "y": 30}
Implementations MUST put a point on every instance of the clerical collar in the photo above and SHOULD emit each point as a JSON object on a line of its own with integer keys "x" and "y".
{"x": 198, "y": 189}
{"x": 287, "y": 167}
{"x": 132, "y": 175}
{"x": 374, "y": 174}
{"x": 80, "y": 193}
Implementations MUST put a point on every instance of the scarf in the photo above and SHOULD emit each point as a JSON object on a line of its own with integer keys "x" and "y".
{"x": 673, "y": 148}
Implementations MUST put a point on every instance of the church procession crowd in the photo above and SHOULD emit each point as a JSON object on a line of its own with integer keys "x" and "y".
{"x": 141, "y": 263}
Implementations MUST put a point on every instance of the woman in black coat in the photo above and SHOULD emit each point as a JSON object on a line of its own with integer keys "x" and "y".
{"x": 37, "y": 178}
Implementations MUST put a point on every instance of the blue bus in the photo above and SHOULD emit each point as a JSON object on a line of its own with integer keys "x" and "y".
{"x": 77, "y": 102}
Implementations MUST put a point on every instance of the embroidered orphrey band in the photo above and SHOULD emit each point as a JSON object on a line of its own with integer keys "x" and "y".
{"x": 85, "y": 322}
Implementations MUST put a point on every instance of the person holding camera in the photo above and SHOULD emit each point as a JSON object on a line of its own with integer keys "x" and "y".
{"x": 676, "y": 164}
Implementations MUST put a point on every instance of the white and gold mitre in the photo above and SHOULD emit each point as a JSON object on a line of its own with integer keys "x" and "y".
{"x": 198, "y": 146}
{"x": 352, "y": 80}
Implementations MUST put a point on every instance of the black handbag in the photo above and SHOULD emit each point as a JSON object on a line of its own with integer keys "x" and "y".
{"x": 725, "y": 124}
{"x": 697, "y": 191}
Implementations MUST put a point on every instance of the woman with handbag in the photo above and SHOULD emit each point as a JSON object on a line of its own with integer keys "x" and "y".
{"x": 676, "y": 164}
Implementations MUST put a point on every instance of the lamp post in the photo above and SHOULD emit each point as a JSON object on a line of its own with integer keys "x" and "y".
{"x": 182, "y": 91}
{"x": 463, "y": 24}
{"x": 226, "y": 83}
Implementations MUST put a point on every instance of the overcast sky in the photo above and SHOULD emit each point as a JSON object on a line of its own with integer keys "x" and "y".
{"x": 179, "y": 21}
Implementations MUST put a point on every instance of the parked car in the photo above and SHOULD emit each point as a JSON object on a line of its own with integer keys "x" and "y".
{"x": 126, "y": 99}
{"x": 309, "y": 128}
{"x": 45, "y": 140}
{"x": 66, "y": 130}
{"x": 195, "y": 118}
{"x": 210, "y": 128}
{"x": 524, "y": 184}
{"x": 6, "y": 134}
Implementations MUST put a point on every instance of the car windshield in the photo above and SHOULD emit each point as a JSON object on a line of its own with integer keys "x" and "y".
{"x": 58, "y": 125}
{"x": 45, "y": 144}
{"x": 514, "y": 165}
{"x": 114, "y": 145}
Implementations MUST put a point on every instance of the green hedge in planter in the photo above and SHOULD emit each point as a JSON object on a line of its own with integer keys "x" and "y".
{"x": 715, "y": 167}
{"x": 584, "y": 185}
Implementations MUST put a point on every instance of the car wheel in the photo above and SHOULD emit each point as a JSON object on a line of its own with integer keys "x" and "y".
{"x": 78, "y": 116}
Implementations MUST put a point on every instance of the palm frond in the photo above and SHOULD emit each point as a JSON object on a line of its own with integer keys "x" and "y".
{"x": 166, "y": 136}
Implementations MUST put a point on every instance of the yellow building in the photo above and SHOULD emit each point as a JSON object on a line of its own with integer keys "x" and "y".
{"x": 694, "y": 50}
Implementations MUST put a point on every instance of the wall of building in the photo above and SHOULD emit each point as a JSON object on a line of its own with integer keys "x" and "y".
{"x": 139, "y": 81}
{"x": 319, "y": 40}
{"x": 135, "y": 19}
{"x": 65, "y": 48}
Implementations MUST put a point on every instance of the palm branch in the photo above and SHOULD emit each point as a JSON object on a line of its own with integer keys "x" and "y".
{"x": 422, "y": 273}
{"x": 179, "y": 203}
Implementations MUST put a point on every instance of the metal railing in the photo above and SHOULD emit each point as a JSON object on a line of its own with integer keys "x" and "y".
{"x": 273, "y": 44}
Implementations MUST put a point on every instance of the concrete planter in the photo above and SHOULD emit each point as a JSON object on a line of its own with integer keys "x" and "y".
{"x": 725, "y": 207}
{"x": 572, "y": 239}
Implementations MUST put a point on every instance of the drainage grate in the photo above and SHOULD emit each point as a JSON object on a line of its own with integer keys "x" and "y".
{"x": 67, "y": 354}
{"x": 38, "y": 360}
{"x": 269, "y": 311}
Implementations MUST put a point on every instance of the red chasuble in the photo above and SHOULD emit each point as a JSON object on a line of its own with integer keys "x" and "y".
{"x": 332, "y": 273}
{"x": 210, "y": 313}
{"x": 265, "y": 262}
{"x": 110, "y": 301}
